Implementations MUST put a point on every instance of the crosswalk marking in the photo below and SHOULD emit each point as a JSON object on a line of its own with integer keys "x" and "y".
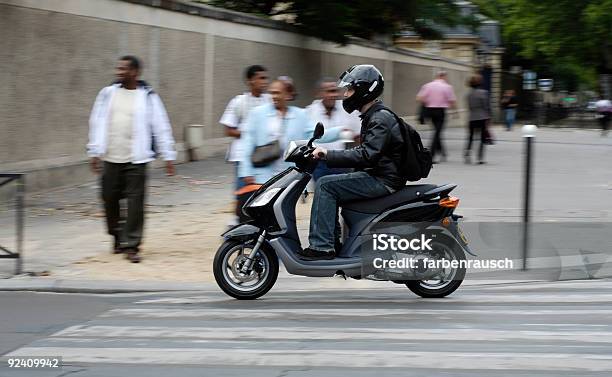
{"x": 603, "y": 297}
{"x": 329, "y": 357}
{"x": 325, "y": 333}
{"x": 265, "y": 313}
{"x": 543, "y": 330}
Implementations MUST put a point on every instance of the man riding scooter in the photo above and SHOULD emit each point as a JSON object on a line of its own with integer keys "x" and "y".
{"x": 376, "y": 161}
{"x": 373, "y": 199}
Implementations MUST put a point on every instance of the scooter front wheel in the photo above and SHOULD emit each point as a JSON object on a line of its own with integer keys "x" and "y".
{"x": 241, "y": 283}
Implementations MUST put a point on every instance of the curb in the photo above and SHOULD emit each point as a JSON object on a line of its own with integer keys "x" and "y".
{"x": 45, "y": 285}
{"x": 98, "y": 287}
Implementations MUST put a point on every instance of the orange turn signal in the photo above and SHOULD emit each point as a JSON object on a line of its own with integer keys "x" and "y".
{"x": 449, "y": 202}
{"x": 247, "y": 189}
{"x": 446, "y": 221}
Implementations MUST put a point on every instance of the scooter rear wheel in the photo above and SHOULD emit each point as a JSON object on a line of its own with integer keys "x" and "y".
{"x": 260, "y": 278}
{"x": 444, "y": 286}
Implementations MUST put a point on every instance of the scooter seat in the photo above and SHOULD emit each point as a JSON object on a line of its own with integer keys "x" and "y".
{"x": 408, "y": 194}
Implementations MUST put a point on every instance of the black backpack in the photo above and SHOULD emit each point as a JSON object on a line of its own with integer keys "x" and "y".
{"x": 416, "y": 160}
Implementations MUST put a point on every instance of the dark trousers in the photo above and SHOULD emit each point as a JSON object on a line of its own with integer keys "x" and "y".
{"x": 124, "y": 181}
{"x": 604, "y": 121}
{"x": 437, "y": 115}
{"x": 477, "y": 126}
{"x": 331, "y": 192}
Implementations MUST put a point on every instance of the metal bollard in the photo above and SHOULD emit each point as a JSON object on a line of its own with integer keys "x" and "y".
{"x": 528, "y": 131}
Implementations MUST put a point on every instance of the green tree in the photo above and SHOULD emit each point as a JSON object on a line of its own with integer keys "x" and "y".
{"x": 337, "y": 20}
{"x": 568, "y": 39}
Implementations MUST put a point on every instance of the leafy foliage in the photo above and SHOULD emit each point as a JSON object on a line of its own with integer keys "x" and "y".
{"x": 336, "y": 20}
{"x": 566, "y": 38}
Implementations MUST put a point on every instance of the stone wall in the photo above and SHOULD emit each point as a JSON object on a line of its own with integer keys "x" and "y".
{"x": 55, "y": 55}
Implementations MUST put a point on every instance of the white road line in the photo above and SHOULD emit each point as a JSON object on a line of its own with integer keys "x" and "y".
{"x": 267, "y": 313}
{"x": 472, "y": 298}
{"x": 326, "y": 333}
{"x": 567, "y": 286}
{"x": 330, "y": 358}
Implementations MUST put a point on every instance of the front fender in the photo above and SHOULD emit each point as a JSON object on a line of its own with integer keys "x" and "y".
{"x": 242, "y": 232}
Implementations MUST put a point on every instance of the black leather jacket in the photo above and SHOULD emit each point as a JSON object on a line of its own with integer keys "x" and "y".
{"x": 380, "y": 150}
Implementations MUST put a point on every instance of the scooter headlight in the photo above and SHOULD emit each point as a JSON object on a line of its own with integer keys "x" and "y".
{"x": 265, "y": 197}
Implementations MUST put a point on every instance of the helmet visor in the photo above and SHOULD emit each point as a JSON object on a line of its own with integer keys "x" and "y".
{"x": 346, "y": 80}
{"x": 345, "y": 84}
{"x": 345, "y": 92}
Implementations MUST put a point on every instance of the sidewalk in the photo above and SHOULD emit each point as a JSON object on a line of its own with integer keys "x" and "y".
{"x": 65, "y": 231}
{"x": 65, "y": 236}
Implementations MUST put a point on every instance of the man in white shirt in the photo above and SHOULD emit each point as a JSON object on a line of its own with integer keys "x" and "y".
{"x": 328, "y": 110}
{"x": 128, "y": 126}
{"x": 234, "y": 117}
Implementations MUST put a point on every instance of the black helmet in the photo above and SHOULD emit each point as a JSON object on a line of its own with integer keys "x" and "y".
{"x": 368, "y": 83}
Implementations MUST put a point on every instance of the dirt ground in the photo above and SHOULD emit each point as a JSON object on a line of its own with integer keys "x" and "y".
{"x": 169, "y": 254}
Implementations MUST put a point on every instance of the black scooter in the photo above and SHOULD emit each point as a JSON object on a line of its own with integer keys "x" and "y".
{"x": 246, "y": 264}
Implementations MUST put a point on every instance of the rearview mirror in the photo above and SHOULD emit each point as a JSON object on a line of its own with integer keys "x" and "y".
{"x": 318, "y": 131}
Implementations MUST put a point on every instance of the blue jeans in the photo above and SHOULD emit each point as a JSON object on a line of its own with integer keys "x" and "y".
{"x": 331, "y": 192}
{"x": 510, "y": 116}
{"x": 322, "y": 170}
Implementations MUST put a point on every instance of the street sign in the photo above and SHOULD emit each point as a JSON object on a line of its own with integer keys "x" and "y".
{"x": 529, "y": 80}
{"x": 545, "y": 85}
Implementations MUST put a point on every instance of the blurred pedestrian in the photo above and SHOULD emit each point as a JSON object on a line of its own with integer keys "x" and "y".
{"x": 234, "y": 118}
{"x": 328, "y": 110}
{"x": 290, "y": 87}
{"x": 509, "y": 103}
{"x": 437, "y": 96}
{"x": 268, "y": 131}
{"x": 127, "y": 127}
{"x": 480, "y": 114}
{"x": 604, "y": 113}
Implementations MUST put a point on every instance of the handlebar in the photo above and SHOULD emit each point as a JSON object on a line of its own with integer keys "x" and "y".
{"x": 311, "y": 156}
{"x": 309, "y": 153}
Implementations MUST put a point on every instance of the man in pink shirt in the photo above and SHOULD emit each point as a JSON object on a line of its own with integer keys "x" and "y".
{"x": 437, "y": 96}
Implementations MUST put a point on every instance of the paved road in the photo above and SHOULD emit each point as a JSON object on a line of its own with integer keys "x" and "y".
{"x": 302, "y": 329}
{"x": 27, "y": 316}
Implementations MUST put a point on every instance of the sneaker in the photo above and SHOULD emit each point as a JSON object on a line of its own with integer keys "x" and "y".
{"x": 312, "y": 254}
{"x": 132, "y": 255}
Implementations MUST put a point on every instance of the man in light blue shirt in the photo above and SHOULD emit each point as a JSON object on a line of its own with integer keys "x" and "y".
{"x": 275, "y": 121}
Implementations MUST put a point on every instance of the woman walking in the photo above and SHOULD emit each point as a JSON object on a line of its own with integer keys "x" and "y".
{"x": 480, "y": 114}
